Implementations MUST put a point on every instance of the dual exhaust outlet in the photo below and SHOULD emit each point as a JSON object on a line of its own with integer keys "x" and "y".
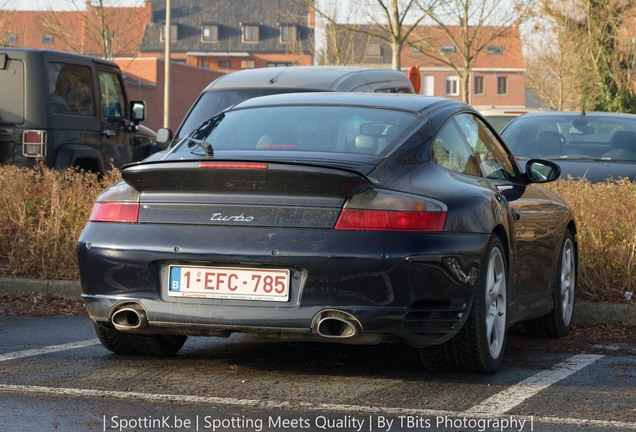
{"x": 329, "y": 323}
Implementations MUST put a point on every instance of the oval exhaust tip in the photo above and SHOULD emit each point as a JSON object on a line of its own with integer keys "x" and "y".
{"x": 129, "y": 318}
{"x": 336, "y": 328}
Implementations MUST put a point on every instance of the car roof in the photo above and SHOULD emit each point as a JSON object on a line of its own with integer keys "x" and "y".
{"x": 507, "y": 111}
{"x": 32, "y": 52}
{"x": 328, "y": 78}
{"x": 567, "y": 114}
{"x": 410, "y": 102}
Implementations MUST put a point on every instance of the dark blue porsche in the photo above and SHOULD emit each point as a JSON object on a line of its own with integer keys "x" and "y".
{"x": 354, "y": 218}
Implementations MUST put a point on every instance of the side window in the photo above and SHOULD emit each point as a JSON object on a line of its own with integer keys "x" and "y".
{"x": 494, "y": 162}
{"x": 113, "y": 104}
{"x": 393, "y": 90}
{"x": 71, "y": 89}
{"x": 451, "y": 151}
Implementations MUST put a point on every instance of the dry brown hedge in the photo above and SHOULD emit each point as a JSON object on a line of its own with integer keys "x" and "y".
{"x": 606, "y": 221}
{"x": 42, "y": 213}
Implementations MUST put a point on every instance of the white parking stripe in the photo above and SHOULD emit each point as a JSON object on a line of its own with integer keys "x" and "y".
{"x": 506, "y": 400}
{"x": 48, "y": 349}
{"x": 308, "y": 406}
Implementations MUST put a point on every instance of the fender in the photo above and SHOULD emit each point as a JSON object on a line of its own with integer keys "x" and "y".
{"x": 68, "y": 154}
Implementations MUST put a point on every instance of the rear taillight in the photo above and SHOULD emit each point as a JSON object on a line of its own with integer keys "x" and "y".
{"x": 119, "y": 203}
{"x": 34, "y": 143}
{"x": 115, "y": 212}
{"x": 391, "y": 211}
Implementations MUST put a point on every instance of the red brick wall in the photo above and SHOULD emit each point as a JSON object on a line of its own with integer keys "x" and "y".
{"x": 145, "y": 81}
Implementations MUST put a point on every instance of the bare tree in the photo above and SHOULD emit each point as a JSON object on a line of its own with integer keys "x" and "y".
{"x": 299, "y": 52}
{"x": 339, "y": 44}
{"x": 468, "y": 26}
{"x": 108, "y": 30}
{"x": 553, "y": 66}
{"x": 604, "y": 49}
{"x": 7, "y": 17}
{"x": 388, "y": 22}
{"x": 343, "y": 46}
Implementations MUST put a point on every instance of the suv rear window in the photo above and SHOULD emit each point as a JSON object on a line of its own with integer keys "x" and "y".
{"x": 12, "y": 91}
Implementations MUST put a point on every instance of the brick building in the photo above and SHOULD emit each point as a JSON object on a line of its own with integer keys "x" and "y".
{"x": 208, "y": 39}
{"x": 497, "y": 77}
{"x": 211, "y": 38}
{"x": 230, "y": 35}
{"x": 77, "y": 31}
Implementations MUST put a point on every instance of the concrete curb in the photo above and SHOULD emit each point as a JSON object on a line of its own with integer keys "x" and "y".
{"x": 584, "y": 312}
{"x": 57, "y": 288}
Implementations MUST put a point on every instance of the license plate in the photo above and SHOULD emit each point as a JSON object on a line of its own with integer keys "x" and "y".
{"x": 229, "y": 283}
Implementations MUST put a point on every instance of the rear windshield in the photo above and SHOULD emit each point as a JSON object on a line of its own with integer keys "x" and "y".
{"x": 12, "y": 92}
{"x": 333, "y": 129}
{"x": 215, "y": 101}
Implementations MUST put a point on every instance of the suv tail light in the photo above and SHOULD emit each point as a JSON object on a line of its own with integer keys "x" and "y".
{"x": 378, "y": 210}
{"x": 34, "y": 143}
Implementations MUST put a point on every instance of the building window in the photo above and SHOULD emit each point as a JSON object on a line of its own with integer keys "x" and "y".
{"x": 277, "y": 64}
{"x": 494, "y": 50}
{"x": 478, "y": 85}
{"x": 374, "y": 50}
{"x": 173, "y": 32}
{"x": 247, "y": 64}
{"x": 452, "y": 86}
{"x": 209, "y": 33}
{"x": 11, "y": 38}
{"x": 225, "y": 64}
{"x": 447, "y": 49}
{"x": 502, "y": 85}
{"x": 415, "y": 49}
{"x": 428, "y": 89}
{"x": 205, "y": 64}
{"x": 47, "y": 38}
{"x": 250, "y": 33}
{"x": 287, "y": 33}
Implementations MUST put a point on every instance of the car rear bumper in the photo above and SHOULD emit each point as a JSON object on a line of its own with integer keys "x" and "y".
{"x": 412, "y": 287}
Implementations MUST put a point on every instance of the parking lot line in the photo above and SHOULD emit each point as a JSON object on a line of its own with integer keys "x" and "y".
{"x": 307, "y": 406}
{"x": 506, "y": 400}
{"x": 48, "y": 349}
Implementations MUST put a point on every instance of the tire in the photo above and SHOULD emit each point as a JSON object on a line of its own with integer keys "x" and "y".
{"x": 479, "y": 345}
{"x": 139, "y": 344}
{"x": 558, "y": 322}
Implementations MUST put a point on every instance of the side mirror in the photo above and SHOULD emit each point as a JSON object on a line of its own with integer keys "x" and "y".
{"x": 164, "y": 137}
{"x": 137, "y": 111}
{"x": 542, "y": 171}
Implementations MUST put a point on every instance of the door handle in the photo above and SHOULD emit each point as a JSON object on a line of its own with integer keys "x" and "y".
{"x": 108, "y": 133}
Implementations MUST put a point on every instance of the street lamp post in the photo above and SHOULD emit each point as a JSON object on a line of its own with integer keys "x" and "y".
{"x": 166, "y": 89}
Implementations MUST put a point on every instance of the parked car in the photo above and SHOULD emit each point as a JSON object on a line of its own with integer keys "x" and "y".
{"x": 238, "y": 86}
{"x": 500, "y": 117}
{"x": 354, "y": 218}
{"x": 66, "y": 110}
{"x": 596, "y": 146}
